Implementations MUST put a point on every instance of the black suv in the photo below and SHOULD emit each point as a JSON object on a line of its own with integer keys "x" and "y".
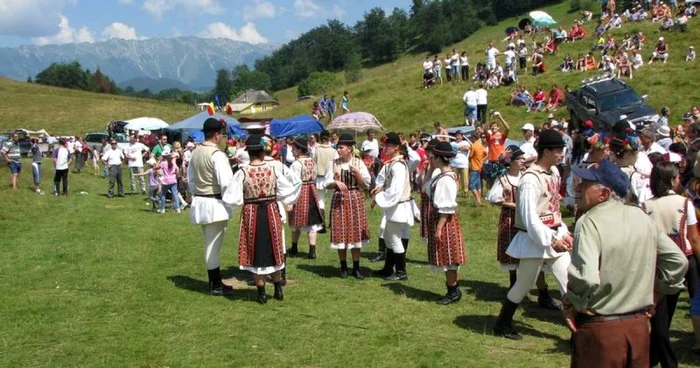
{"x": 605, "y": 101}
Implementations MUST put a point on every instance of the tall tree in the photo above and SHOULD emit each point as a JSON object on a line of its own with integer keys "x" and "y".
{"x": 222, "y": 88}
{"x": 375, "y": 37}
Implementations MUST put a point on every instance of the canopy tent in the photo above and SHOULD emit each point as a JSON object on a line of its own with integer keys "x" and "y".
{"x": 297, "y": 125}
{"x": 540, "y": 18}
{"x": 40, "y": 133}
{"x": 145, "y": 123}
{"x": 197, "y": 121}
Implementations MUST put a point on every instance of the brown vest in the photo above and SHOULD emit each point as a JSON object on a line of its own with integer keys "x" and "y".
{"x": 548, "y": 200}
{"x": 406, "y": 192}
{"x": 669, "y": 212}
{"x": 346, "y": 176}
{"x": 205, "y": 183}
{"x": 323, "y": 156}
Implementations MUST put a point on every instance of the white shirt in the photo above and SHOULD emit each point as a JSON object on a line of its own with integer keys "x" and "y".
{"x": 491, "y": 55}
{"x": 470, "y": 98}
{"x": 329, "y": 178}
{"x": 529, "y": 149}
{"x": 655, "y": 147}
{"x": 495, "y": 195}
{"x": 464, "y": 60}
{"x": 455, "y": 59}
{"x": 207, "y": 210}
{"x": 481, "y": 96}
{"x": 461, "y": 159}
{"x": 643, "y": 164}
{"x": 522, "y": 52}
{"x": 243, "y": 158}
{"x": 445, "y": 195}
{"x": 389, "y": 198}
{"x": 62, "y": 157}
{"x": 637, "y": 60}
{"x": 187, "y": 155}
{"x": 372, "y": 146}
{"x": 437, "y": 64}
{"x": 427, "y": 65}
{"x": 537, "y": 241}
{"x": 113, "y": 157}
{"x": 510, "y": 56}
{"x": 135, "y": 154}
{"x": 78, "y": 146}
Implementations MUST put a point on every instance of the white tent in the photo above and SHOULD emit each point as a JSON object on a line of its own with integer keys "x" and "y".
{"x": 145, "y": 123}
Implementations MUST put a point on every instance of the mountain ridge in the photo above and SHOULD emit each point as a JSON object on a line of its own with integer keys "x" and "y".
{"x": 189, "y": 60}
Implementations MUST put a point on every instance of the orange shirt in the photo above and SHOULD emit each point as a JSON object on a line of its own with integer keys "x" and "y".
{"x": 477, "y": 154}
{"x": 496, "y": 142}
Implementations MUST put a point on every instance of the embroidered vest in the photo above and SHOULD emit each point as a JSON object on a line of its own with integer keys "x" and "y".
{"x": 259, "y": 183}
{"x": 669, "y": 212}
{"x": 308, "y": 170}
{"x": 508, "y": 189}
{"x": 346, "y": 176}
{"x": 406, "y": 191}
{"x": 204, "y": 179}
{"x": 547, "y": 202}
{"x": 324, "y": 156}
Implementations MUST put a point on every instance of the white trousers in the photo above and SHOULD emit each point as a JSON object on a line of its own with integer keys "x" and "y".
{"x": 392, "y": 236}
{"x": 529, "y": 269}
{"x": 405, "y": 231}
{"x": 321, "y": 198}
{"x": 213, "y": 238}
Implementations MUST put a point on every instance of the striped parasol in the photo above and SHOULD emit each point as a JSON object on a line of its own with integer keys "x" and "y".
{"x": 355, "y": 121}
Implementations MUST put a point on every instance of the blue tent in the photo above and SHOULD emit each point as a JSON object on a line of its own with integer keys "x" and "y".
{"x": 297, "y": 125}
{"x": 197, "y": 121}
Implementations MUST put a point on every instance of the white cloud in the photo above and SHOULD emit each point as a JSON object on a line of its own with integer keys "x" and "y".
{"x": 291, "y": 34}
{"x": 338, "y": 11}
{"x": 158, "y": 8}
{"x": 260, "y": 9}
{"x": 120, "y": 30}
{"x": 247, "y": 33}
{"x": 66, "y": 34}
{"x": 307, "y": 8}
{"x": 125, "y": 1}
{"x": 36, "y": 18}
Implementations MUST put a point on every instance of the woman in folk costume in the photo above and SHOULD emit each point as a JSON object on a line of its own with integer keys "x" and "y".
{"x": 306, "y": 214}
{"x": 445, "y": 238}
{"x": 426, "y": 174}
{"x": 393, "y": 195}
{"x": 258, "y": 188}
{"x": 624, "y": 148}
{"x": 280, "y": 169}
{"x": 348, "y": 175}
{"x": 502, "y": 194}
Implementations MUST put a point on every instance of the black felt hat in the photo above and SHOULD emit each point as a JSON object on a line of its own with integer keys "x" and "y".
{"x": 301, "y": 143}
{"x": 254, "y": 143}
{"x": 346, "y": 139}
{"x": 325, "y": 134}
{"x": 393, "y": 138}
{"x": 550, "y": 139}
{"x": 444, "y": 149}
{"x": 212, "y": 124}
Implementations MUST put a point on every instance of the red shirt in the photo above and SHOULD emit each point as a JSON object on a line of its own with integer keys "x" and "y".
{"x": 496, "y": 143}
{"x": 540, "y": 96}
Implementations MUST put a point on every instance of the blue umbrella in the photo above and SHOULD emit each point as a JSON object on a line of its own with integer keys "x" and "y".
{"x": 541, "y": 18}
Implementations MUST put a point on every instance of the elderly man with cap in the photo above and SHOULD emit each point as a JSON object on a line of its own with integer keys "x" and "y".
{"x": 528, "y": 147}
{"x": 542, "y": 238}
{"x": 210, "y": 182}
{"x": 664, "y": 137}
{"x": 606, "y": 308}
{"x": 393, "y": 195}
{"x": 323, "y": 155}
{"x": 113, "y": 159}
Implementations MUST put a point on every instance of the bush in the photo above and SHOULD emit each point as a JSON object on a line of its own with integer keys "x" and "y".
{"x": 578, "y": 5}
{"x": 318, "y": 83}
{"x": 353, "y": 68}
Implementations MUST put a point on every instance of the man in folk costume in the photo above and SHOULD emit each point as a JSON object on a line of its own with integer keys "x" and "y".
{"x": 305, "y": 215}
{"x": 283, "y": 170}
{"x": 348, "y": 175}
{"x": 210, "y": 182}
{"x": 324, "y": 155}
{"x": 258, "y": 187}
{"x": 445, "y": 237}
{"x": 542, "y": 238}
{"x": 394, "y": 197}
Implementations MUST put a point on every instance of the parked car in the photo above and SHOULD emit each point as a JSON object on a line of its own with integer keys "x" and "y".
{"x": 605, "y": 101}
{"x": 96, "y": 138}
{"x": 25, "y": 142}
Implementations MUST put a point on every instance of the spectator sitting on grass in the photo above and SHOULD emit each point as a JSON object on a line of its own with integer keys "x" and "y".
{"x": 600, "y": 28}
{"x": 590, "y": 63}
{"x": 586, "y": 16}
{"x": 638, "y": 40}
{"x": 521, "y": 96}
{"x": 624, "y": 66}
{"x": 567, "y": 64}
{"x": 637, "y": 60}
{"x": 691, "y": 54}
{"x": 607, "y": 65}
{"x": 660, "y": 51}
{"x": 538, "y": 102}
{"x": 577, "y": 33}
{"x": 599, "y": 45}
{"x": 682, "y": 22}
{"x": 581, "y": 62}
{"x": 627, "y": 43}
{"x": 537, "y": 63}
{"x": 666, "y": 24}
{"x": 555, "y": 98}
{"x": 610, "y": 45}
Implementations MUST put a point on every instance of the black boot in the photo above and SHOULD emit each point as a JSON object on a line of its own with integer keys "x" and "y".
{"x": 262, "y": 297}
{"x": 453, "y": 295}
{"x": 344, "y": 270}
{"x": 400, "y": 274}
{"x": 504, "y": 324}
{"x": 382, "y": 252}
{"x": 293, "y": 251}
{"x": 545, "y": 300}
{"x": 405, "y": 246}
{"x": 283, "y": 273}
{"x": 216, "y": 286}
{"x": 356, "y": 270}
{"x": 323, "y": 217}
{"x": 279, "y": 295}
{"x": 512, "y": 275}
{"x": 312, "y": 252}
{"x": 389, "y": 262}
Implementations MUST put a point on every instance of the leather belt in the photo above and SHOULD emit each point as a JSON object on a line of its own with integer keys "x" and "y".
{"x": 583, "y": 318}
{"x": 308, "y": 182}
{"x": 550, "y": 227}
{"x": 263, "y": 200}
{"x": 217, "y": 196}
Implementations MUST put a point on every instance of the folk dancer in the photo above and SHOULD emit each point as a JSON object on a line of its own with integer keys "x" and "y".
{"x": 210, "y": 182}
{"x": 445, "y": 237}
{"x": 324, "y": 155}
{"x": 257, "y": 187}
{"x": 393, "y": 196}
{"x": 424, "y": 177}
{"x": 348, "y": 175}
{"x": 292, "y": 177}
{"x": 305, "y": 215}
{"x": 542, "y": 238}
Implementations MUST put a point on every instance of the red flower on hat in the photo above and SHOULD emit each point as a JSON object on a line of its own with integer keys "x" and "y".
{"x": 588, "y": 124}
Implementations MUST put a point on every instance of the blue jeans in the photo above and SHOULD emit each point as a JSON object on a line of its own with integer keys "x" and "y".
{"x": 15, "y": 167}
{"x": 36, "y": 172}
{"x": 470, "y": 112}
{"x": 173, "y": 191}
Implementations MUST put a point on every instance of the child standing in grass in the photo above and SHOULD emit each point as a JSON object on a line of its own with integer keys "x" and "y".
{"x": 155, "y": 183}
{"x": 95, "y": 159}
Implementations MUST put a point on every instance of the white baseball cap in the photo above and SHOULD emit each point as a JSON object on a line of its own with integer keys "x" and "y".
{"x": 529, "y": 127}
{"x": 166, "y": 151}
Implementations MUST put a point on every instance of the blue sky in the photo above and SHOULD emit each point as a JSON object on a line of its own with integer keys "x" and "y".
{"x": 42, "y": 22}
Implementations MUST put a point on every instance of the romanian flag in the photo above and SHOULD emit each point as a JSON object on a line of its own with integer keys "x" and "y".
{"x": 229, "y": 109}
{"x": 211, "y": 110}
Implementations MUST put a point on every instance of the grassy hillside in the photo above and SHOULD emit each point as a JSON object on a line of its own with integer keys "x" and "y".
{"x": 392, "y": 92}
{"x": 67, "y": 111}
